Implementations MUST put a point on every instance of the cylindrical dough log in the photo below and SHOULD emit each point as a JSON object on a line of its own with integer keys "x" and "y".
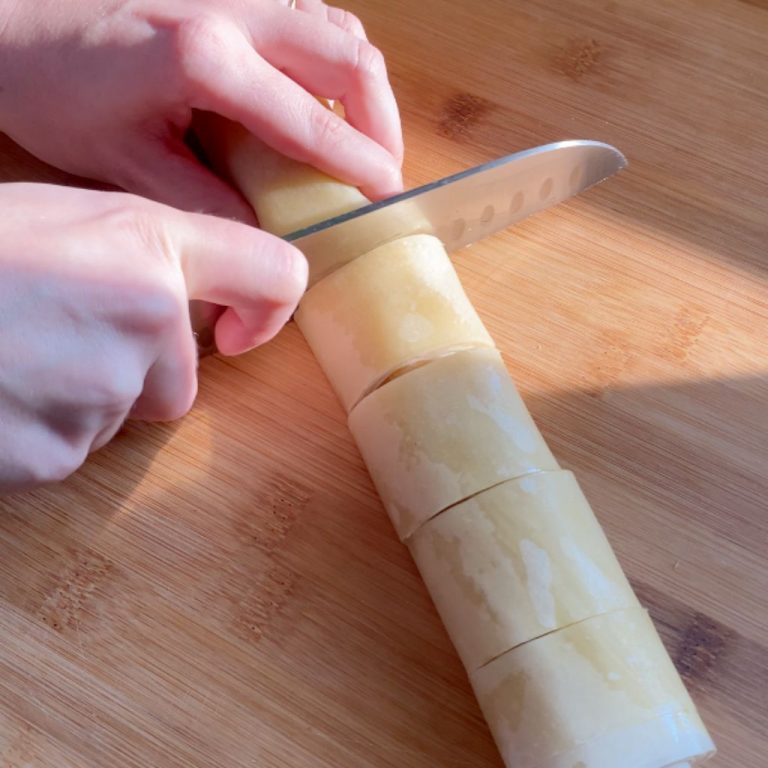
{"x": 599, "y": 694}
{"x": 444, "y": 431}
{"x": 286, "y": 195}
{"x": 560, "y": 701}
{"x": 398, "y": 304}
{"x": 515, "y": 562}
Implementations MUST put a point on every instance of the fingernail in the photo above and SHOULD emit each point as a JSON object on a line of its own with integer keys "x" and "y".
{"x": 398, "y": 180}
{"x": 392, "y": 184}
{"x": 300, "y": 269}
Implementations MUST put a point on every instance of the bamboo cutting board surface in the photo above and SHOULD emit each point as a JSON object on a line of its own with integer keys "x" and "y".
{"x": 227, "y": 590}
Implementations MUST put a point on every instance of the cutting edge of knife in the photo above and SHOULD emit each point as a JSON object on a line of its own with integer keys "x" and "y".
{"x": 621, "y": 163}
{"x": 411, "y": 193}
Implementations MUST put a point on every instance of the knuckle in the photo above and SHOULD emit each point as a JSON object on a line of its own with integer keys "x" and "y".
{"x": 124, "y": 388}
{"x": 126, "y": 206}
{"x": 145, "y": 235}
{"x": 111, "y": 389}
{"x": 61, "y": 466}
{"x": 352, "y": 24}
{"x": 327, "y": 128}
{"x": 149, "y": 296}
{"x": 172, "y": 402}
{"x": 51, "y": 462}
{"x": 344, "y": 19}
{"x": 135, "y": 218}
{"x": 183, "y": 403}
{"x": 197, "y": 42}
{"x": 369, "y": 61}
{"x": 160, "y": 309}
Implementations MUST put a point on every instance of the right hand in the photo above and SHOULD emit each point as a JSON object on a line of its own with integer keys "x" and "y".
{"x": 94, "y": 319}
{"x": 106, "y": 89}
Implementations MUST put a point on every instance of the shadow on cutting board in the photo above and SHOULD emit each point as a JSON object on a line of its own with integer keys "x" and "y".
{"x": 52, "y": 539}
{"x": 671, "y": 473}
{"x": 678, "y": 483}
{"x": 258, "y": 525}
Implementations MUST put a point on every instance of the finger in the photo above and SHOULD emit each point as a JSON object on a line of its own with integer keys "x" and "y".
{"x": 106, "y": 435}
{"x": 257, "y": 275}
{"x": 346, "y": 20}
{"x": 284, "y": 115}
{"x": 341, "y": 18}
{"x": 238, "y": 331}
{"x": 331, "y": 62}
{"x": 169, "y": 173}
{"x": 170, "y": 386}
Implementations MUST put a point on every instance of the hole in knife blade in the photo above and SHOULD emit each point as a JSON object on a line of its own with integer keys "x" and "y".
{"x": 457, "y": 229}
{"x": 576, "y": 175}
{"x": 517, "y": 202}
{"x": 546, "y": 188}
{"x": 487, "y": 214}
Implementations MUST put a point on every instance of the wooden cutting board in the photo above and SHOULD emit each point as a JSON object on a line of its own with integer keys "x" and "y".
{"x": 227, "y": 590}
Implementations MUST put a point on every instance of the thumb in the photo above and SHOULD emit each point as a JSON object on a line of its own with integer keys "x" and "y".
{"x": 168, "y": 172}
{"x": 258, "y": 277}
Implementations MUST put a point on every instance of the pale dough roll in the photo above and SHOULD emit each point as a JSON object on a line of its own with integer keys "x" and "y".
{"x": 396, "y": 305}
{"x": 515, "y": 562}
{"x": 444, "y": 431}
{"x": 286, "y": 195}
{"x": 599, "y": 694}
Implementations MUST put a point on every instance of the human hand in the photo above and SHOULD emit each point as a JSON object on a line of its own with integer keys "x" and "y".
{"x": 94, "y": 324}
{"x": 106, "y": 88}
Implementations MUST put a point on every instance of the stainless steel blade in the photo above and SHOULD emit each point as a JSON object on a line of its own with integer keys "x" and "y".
{"x": 465, "y": 207}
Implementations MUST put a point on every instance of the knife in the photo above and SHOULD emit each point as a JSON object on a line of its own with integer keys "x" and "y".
{"x": 462, "y": 208}
{"x": 459, "y": 209}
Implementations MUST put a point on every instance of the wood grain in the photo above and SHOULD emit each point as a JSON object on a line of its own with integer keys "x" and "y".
{"x": 227, "y": 590}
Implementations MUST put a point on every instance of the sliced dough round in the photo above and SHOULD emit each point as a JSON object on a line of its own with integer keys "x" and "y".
{"x": 443, "y": 432}
{"x": 386, "y": 310}
{"x": 518, "y": 561}
{"x": 602, "y": 693}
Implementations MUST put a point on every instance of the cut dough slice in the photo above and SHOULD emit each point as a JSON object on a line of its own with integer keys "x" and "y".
{"x": 443, "y": 432}
{"x": 384, "y": 311}
{"x": 599, "y": 694}
{"x": 515, "y": 562}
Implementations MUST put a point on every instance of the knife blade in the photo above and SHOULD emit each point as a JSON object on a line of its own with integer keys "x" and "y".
{"x": 465, "y": 207}
{"x": 459, "y": 209}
